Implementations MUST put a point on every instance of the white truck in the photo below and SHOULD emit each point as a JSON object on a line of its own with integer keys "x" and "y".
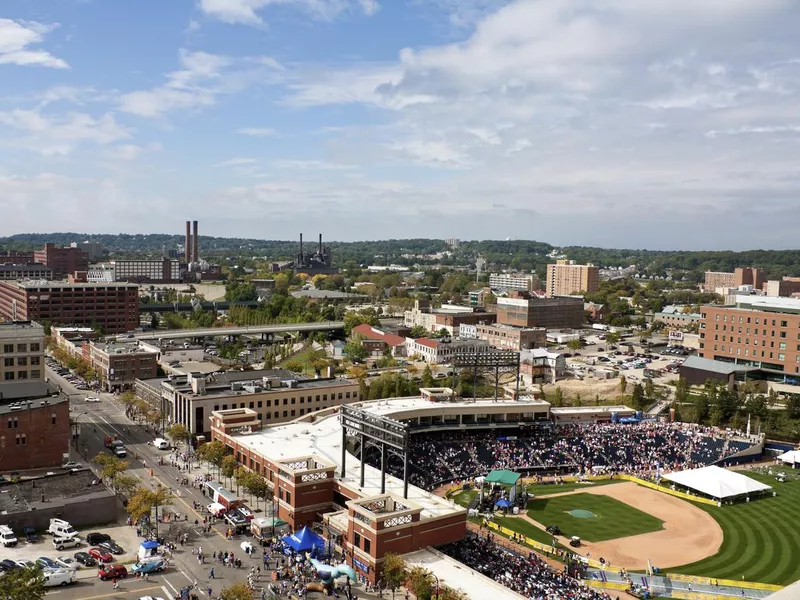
{"x": 61, "y": 529}
{"x": 62, "y": 577}
{"x": 7, "y": 536}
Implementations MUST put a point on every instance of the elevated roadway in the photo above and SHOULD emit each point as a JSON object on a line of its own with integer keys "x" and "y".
{"x": 171, "y": 334}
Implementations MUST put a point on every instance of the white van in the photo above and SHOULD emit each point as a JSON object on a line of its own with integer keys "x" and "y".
{"x": 61, "y": 577}
{"x": 61, "y": 529}
{"x": 161, "y": 444}
{"x": 60, "y": 543}
{"x": 7, "y": 536}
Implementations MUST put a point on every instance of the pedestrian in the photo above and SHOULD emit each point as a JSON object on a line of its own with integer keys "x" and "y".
{"x": 211, "y": 574}
{"x": 116, "y": 584}
{"x": 209, "y": 590}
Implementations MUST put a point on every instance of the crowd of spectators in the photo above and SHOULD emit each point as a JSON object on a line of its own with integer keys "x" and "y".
{"x": 528, "y": 575}
{"x": 635, "y": 449}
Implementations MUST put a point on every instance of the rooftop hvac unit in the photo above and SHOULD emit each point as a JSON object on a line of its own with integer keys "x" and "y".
{"x": 292, "y": 383}
{"x": 252, "y": 388}
{"x": 236, "y": 385}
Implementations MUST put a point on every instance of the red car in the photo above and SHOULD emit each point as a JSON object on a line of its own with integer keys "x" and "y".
{"x": 104, "y": 556}
{"x": 112, "y": 572}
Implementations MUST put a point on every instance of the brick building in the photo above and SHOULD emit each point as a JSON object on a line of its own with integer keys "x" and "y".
{"x": 28, "y": 271}
{"x": 12, "y": 257}
{"x": 276, "y": 395}
{"x": 565, "y": 278}
{"x": 782, "y": 287}
{"x": 740, "y": 276}
{"x": 62, "y": 261}
{"x": 512, "y": 338}
{"x": 758, "y": 331}
{"x": 522, "y": 310}
{"x": 112, "y": 306}
{"x": 163, "y": 270}
{"x": 35, "y": 419}
{"x": 448, "y": 318}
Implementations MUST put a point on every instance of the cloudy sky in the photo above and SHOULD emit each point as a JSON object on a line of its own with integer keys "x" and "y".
{"x": 635, "y": 123}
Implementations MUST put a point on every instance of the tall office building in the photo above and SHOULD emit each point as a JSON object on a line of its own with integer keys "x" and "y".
{"x": 565, "y": 278}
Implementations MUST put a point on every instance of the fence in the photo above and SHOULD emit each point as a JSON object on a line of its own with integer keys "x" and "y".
{"x": 748, "y": 585}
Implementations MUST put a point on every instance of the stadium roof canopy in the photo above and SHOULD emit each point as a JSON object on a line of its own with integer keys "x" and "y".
{"x": 503, "y": 477}
{"x": 791, "y": 457}
{"x": 717, "y": 482}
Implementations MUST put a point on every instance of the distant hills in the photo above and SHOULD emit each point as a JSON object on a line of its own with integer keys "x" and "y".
{"x": 524, "y": 255}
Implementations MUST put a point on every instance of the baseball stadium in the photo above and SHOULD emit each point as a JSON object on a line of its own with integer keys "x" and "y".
{"x": 533, "y": 501}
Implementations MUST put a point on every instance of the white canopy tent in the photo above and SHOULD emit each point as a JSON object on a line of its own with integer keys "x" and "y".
{"x": 790, "y": 458}
{"x": 717, "y": 482}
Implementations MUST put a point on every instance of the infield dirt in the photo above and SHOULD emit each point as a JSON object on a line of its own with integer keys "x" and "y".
{"x": 690, "y": 534}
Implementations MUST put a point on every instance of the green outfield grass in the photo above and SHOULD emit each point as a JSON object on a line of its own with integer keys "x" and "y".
{"x": 527, "y": 529}
{"x": 542, "y": 489}
{"x": 613, "y": 519}
{"x": 464, "y": 498}
{"x": 762, "y": 538}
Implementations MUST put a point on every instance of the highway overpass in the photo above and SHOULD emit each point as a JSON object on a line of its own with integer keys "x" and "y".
{"x": 179, "y": 307}
{"x": 171, "y": 334}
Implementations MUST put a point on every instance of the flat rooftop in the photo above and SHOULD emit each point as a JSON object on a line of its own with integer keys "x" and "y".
{"x": 767, "y": 304}
{"x": 457, "y": 575}
{"x": 38, "y": 393}
{"x": 323, "y": 438}
{"x": 26, "y": 495}
{"x": 46, "y": 283}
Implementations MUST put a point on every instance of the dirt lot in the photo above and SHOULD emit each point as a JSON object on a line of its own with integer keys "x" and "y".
{"x": 690, "y": 534}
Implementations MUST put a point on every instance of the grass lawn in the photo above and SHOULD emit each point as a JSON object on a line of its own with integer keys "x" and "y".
{"x": 539, "y": 489}
{"x": 305, "y": 357}
{"x": 525, "y": 528}
{"x": 464, "y": 498}
{"x": 762, "y": 538}
{"x": 612, "y": 519}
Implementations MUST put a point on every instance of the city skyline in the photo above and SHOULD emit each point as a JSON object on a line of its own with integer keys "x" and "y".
{"x": 660, "y": 125}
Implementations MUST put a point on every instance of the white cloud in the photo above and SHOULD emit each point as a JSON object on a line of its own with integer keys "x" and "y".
{"x": 59, "y": 135}
{"x": 247, "y": 11}
{"x": 132, "y": 152}
{"x": 189, "y": 88}
{"x": 257, "y": 131}
{"x": 236, "y": 162}
{"x": 17, "y": 36}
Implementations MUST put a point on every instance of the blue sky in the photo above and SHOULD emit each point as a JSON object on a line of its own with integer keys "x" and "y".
{"x": 660, "y": 124}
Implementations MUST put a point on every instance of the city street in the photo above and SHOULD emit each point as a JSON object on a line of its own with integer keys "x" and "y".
{"x": 107, "y": 417}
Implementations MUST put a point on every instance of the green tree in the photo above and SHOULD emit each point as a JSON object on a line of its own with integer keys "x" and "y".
{"x": 637, "y": 396}
{"x": 623, "y": 384}
{"x": 681, "y": 391}
{"x": 701, "y": 407}
{"x": 22, "y": 584}
{"x": 354, "y": 351}
{"x": 420, "y": 582}
{"x": 558, "y": 397}
{"x": 355, "y": 318}
{"x": 228, "y": 466}
{"x": 112, "y": 468}
{"x": 649, "y": 388}
{"x": 257, "y": 487}
{"x": 144, "y": 501}
{"x": 418, "y": 331}
{"x": 179, "y": 433}
{"x": 427, "y": 376}
{"x": 212, "y": 453}
{"x": 574, "y": 345}
{"x": 394, "y": 572}
{"x": 238, "y": 591}
{"x": 448, "y": 593}
{"x": 612, "y": 337}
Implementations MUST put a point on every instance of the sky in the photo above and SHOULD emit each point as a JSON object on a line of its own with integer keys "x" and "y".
{"x": 663, "y": 124}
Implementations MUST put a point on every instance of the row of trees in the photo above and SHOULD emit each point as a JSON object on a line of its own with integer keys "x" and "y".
{"x": 217, "y": 454}
{"x": 76, "y": 363}
{"x": 418, "y": 580}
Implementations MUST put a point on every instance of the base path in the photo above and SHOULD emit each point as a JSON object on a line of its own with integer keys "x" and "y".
{"x": 690, "y": 534}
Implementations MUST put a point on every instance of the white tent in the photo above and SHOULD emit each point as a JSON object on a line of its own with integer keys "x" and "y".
{"x": 717, "y": 482}
{"x": 790, "y": 458}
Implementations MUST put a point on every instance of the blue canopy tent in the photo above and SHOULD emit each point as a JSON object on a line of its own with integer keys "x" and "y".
{"x": 305, "y": 540}
{"x": 502, "y": 503}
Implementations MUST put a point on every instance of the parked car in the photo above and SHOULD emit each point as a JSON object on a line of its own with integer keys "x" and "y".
{"x": 8, "y": 565}
{"x": 71, "y": 465}
{"x": 30, "y": 534}
{"x": 85, "y": 559}
{"x": 91, "y": 399}
{"x": 95, "y": 538}
{"x": 112, "y": 572}
{"x": 65, "y": 562}
{"x": 47, "y": 563}
{"x": 104, "y": 556}
{"x": 112, "y": 547}
{"x": 60, "y": 543}
{"x": 150, "y": 566}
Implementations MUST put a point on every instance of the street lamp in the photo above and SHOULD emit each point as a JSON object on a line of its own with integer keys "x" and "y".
{"x": 436, "y": 595}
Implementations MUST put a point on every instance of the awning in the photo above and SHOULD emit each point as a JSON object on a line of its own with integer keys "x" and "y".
{"x": 717, "y": 482}
{"x": 304, "y": 540}
{"x": 503, "y": 477}
{"x": 790, "y": 458}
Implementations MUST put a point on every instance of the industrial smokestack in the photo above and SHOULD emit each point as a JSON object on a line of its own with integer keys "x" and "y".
{"x": 320, "y": 244}
{"x": 301, "y": 247}
{"x": 187, "y": 253}
{"x": 195, "y": 252}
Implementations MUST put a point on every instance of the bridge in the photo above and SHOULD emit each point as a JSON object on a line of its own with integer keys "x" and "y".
{"x": 203, "y": 332}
